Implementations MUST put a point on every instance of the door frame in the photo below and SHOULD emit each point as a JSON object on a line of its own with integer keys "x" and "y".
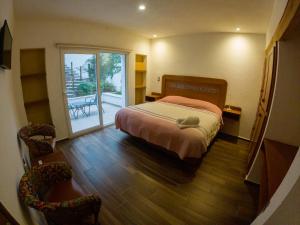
{"x": 96, "y": 52}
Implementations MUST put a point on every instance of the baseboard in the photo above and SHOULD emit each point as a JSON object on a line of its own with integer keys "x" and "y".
{"x": 234, "y": 136}
{"x": 251, "y": 182}
{"x": 243, "y": 138}
{"x": 248, "y": 180}
{"x": 62, "y": 139}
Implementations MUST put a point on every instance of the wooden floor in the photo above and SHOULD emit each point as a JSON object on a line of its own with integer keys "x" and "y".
{"x": 142, "y": 185}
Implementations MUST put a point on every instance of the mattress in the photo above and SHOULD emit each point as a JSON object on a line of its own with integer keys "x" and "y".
{"x": 155, "y": 122}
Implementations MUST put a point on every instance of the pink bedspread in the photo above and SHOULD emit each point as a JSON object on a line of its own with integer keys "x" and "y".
{"x": 186, "y": 143}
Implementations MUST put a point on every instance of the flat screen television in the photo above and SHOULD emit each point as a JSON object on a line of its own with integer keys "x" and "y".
{"x": 5, "y": 46}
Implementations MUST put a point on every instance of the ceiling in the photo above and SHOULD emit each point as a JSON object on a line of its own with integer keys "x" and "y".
{"x": 161, "y": 17}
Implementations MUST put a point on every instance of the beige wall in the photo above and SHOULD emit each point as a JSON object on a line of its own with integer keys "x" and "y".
{"x": 11, "y": 168}
{"x": 278, "y": 9}
{"x": 237, "y": 58}
{"x": 45, "y": 33}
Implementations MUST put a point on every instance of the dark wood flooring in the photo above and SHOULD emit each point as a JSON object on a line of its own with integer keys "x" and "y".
{"x": 141, "y": 185}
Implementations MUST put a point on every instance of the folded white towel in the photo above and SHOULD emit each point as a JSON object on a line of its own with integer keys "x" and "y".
{"x": 190, "y": 121}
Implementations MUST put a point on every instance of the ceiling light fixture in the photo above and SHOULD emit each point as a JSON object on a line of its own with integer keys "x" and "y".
{"x": 142, "y": 7}
{"x": 238, "y": 29}
{"x": 154, "y": 35}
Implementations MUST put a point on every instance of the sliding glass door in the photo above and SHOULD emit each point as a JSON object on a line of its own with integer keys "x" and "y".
{"x": 94, "y": 88}
{"x": 112, "y": 82}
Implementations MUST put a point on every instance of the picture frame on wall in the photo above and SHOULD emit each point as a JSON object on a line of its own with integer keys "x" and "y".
{"x": 5, "y": 217}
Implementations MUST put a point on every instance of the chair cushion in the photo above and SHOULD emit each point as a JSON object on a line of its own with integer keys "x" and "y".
{"x": 64, "y": 191}
{"x": 48, "y": 139}
{"x": 56, "y": 156}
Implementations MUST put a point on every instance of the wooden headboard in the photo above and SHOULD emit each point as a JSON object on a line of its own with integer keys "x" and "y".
{"x": 207, "y": 89}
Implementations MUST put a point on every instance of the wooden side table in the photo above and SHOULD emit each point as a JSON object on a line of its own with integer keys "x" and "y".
{"x": 233, "y": 112}
{"x": 231, "y": 119}
{"x": 153, "y": 97}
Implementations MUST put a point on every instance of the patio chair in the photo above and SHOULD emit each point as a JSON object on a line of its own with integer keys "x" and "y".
{"x": 94, "y": 101}
{"x": 50, "y": 189}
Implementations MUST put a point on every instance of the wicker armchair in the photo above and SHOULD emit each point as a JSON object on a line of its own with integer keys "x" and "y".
{"x": 37, "y": 183}
{"x": 39, "y": 138}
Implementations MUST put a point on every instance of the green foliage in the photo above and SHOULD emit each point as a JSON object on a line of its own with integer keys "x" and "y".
{"x": 110, "y": 64}
{"x": 107, "y": 87}
{"x": 90, "y": 68}
{"x": 86, "y": 88}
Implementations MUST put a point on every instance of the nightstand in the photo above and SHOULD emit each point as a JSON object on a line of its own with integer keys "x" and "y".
{"x": 153, "y": 97}
{"x": 231, "y": 120}
{"x": 232, "y": 112}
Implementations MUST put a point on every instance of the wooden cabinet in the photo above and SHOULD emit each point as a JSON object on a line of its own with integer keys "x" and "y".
{"x": 267, "y": 89}
{"x": 34, "y": 85}
{"x": 140, "y": 78}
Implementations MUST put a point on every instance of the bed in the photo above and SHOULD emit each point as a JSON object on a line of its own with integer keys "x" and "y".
{"x": 182, "y": 96}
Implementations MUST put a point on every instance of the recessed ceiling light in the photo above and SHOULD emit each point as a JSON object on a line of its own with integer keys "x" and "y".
{"x": 238, "y": 29}
{"x": 154, "y": 35}
{"x": 142, "y": 7}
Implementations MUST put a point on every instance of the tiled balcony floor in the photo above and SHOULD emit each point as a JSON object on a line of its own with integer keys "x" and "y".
{"x": 84, "y": 122}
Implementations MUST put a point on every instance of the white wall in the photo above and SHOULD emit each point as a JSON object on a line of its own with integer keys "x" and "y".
{"x": 278, "y": 9}
{"x": 46, "y": 33}
{"x": 237, "y": 58}
{"x": 11, "y": 168}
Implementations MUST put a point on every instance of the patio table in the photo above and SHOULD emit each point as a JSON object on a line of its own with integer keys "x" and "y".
{"x": 79, "y": 104}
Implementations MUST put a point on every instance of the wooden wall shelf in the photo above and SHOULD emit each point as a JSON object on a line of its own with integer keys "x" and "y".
{"x": 140, "y": 78}
{"x": 32, "y": 61}
{"x": 34, "y": 85}
{"x": 140, "y": 66}
{"x": 33, "y": 75}
{"x": 34, "y": 102}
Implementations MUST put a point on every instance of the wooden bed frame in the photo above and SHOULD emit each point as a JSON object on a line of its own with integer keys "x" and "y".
{"x": 206, "y": 89}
